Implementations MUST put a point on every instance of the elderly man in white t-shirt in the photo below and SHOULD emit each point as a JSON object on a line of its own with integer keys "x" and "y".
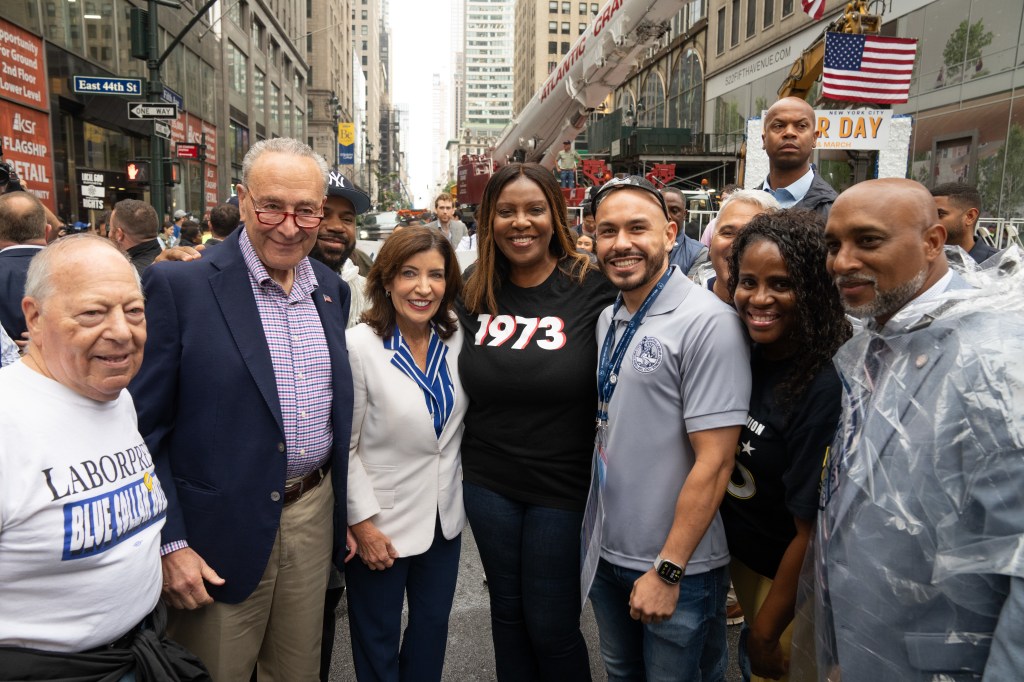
{"x": 81, "y": 507}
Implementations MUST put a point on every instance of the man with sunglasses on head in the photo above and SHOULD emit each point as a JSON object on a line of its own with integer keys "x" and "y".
{"x": 674, "y": 387}
{"x": 252, "y": 433}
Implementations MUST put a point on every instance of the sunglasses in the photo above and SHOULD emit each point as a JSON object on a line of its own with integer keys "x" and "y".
{"x": 629, "y": 182}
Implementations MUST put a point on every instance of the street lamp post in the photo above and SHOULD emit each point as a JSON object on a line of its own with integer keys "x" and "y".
{"x": 335, "y": 108}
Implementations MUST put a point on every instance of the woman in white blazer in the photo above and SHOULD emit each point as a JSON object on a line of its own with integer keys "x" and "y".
{"x": 405, "y": 473}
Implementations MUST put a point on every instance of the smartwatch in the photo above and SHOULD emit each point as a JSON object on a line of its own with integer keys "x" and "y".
{"x": 668, "y": 571}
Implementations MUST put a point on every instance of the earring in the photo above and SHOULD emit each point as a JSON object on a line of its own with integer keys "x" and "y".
{"x": 387, "y": 293}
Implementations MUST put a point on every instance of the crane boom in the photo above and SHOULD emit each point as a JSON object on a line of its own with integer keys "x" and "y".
{"x": 600, "y": 60}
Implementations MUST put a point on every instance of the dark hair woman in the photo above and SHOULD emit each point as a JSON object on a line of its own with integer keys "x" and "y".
{"x": 793, "y": 315}
{"x": 405, "y": 475}
{"x": 529, "y": 363}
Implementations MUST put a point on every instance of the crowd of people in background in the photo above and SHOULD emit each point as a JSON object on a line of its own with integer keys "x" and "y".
{"x": 807, "y": 413}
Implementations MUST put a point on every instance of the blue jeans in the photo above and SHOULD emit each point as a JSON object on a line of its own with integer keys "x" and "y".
{"x": 691, "y": 645}
{"x": 531, "y": 556}
{"x": 568, "y": 178}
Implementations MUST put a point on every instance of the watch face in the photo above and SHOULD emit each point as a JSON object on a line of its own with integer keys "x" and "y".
{"x": 669, "y": 572}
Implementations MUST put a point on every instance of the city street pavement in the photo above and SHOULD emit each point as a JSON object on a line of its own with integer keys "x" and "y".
{"x": 470, "y": 655}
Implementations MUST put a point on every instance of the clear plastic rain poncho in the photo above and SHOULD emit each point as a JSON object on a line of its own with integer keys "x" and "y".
{"x": 916, "y": 570}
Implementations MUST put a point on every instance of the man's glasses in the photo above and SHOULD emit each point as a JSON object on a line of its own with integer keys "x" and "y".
{"x": 629, "y": 181}
{"x": 305, "y": 218}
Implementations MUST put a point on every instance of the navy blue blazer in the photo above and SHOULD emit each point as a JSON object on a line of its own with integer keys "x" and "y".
{"x": 13, "y": 270}
{"x": 210, "y": 414}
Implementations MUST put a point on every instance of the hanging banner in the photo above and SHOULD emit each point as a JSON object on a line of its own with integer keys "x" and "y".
{"x": 24, "y": 112}
{"x": 346, "y": 143}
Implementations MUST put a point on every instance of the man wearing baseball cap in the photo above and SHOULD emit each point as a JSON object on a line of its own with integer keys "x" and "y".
{"x": 567, "y": 161}
{"x": 336, "y": 239}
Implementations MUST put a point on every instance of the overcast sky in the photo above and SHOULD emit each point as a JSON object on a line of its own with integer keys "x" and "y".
{"x": 420, "y": 47}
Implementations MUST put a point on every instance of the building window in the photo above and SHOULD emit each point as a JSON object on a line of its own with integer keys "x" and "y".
{"x": 363, "y": 14}
{"x": 565, "y": 28}
{"x": 751, "y": 18}
{"x": 275, "y": 102}
{"x": 553, "y": 7}
{"x": 257, "y": 35}
{"x": 363, "y": 30}
{"x": 582, "y": 27}
{"x": 565, "y": 48}
{"x": 652, "y": 112}
{"x": 551, "y": 66}
{"x": 552, "y": 27}
{"x": 721, "y": 31}
{"x": 769, "y": 12}
{"x": 566, "y": 8}
{"x": 237, "y": 69}
{"x": 686, "y": 93}
{"x": 364, "y": 48}
{"x": 583, "y": 9}
{"x": 259, "y": 85}
{"x": 735, "y": 33}
{"x": 593, "y": 8}
{"x": 787, "y": 7}
{"x": 552, "y": 47}
{"x": 238, "y": 142}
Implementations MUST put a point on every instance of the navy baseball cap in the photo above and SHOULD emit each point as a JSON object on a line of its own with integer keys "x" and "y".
{"x": 340, "y": 186}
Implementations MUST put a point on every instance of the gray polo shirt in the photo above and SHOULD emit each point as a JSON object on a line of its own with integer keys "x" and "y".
{"x": 687, "y": 369}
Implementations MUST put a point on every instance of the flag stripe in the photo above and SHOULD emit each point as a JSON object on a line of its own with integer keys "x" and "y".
{"x": 861, "y": 68}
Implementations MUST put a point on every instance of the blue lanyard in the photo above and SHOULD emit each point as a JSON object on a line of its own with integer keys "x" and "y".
{"x": 611, "y": 361}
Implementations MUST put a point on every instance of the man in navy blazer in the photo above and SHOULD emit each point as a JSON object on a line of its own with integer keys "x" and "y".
{"x": 22, "y": 235}
{"x": 245, "y": 401}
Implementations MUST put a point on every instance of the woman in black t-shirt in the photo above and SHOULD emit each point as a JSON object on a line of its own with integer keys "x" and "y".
{"x": 793, "y": 315}
{"x": 528, "y": 364}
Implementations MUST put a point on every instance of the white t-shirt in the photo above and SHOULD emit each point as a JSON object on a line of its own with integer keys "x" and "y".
{"x": 80, "y": 516}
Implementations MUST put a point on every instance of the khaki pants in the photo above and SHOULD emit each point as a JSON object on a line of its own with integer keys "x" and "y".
{"x": 751, "y": 591}
{"x": 279, "y": 626}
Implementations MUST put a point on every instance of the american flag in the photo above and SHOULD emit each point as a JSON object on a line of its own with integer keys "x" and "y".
{"x": 815, "y": 8}
{"x": 860, "y": 68}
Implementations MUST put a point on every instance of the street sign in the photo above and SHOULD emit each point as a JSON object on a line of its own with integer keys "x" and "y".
{"x": 171, "y": 97}
{"x": 188, "y": 151}
{"x": 142, "y": 111}
{"x": 107, "y": 86}
{"x": 162, "y": 129}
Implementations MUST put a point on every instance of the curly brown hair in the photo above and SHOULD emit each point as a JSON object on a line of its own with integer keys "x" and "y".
{"x": 397, "y": 250}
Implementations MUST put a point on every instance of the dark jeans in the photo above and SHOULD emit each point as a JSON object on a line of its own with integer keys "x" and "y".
{"x": 380, "y": 652}
{"x": 531, "y": 556}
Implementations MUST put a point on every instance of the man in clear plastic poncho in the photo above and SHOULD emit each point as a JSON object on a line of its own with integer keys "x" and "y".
{"x": 918, "y": 562}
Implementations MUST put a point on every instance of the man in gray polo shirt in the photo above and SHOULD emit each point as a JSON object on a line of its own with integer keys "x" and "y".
{"x": 675, "y": 395}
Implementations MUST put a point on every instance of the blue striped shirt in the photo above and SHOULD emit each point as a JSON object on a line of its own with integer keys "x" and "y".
{"x": 435, "y": 382}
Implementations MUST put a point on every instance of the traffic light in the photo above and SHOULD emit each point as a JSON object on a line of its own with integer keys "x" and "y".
{"x": 172, "y": 172}
{"x": 139, "y": 33}
{"x": 138, "y": 172}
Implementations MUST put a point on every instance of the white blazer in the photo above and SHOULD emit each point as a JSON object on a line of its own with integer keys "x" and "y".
{"x": 400, "y": 474}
